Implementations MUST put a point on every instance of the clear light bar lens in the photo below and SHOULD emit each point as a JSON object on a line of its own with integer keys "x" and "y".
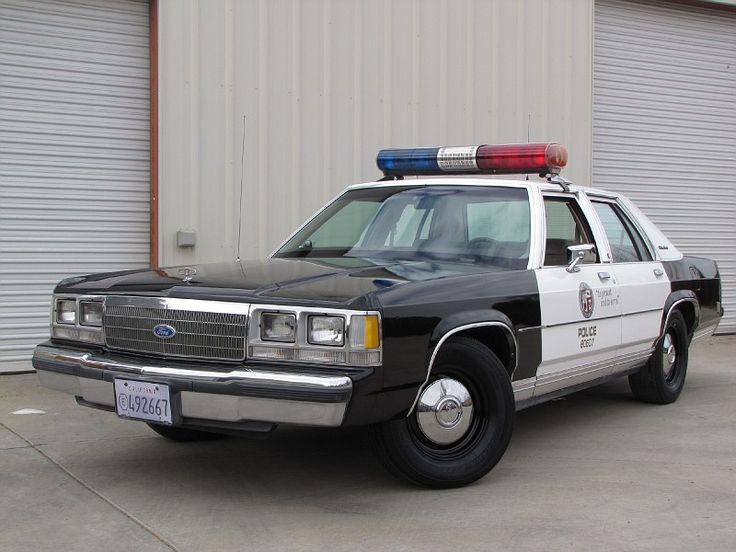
{"x": 66, "y": 311}
{"x": 326, "y": 330}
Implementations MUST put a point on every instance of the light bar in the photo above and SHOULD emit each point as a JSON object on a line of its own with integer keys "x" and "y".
{"x": 543, "y": 159}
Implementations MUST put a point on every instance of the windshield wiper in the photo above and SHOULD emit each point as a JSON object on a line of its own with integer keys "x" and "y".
{"x": 303, "y": 250}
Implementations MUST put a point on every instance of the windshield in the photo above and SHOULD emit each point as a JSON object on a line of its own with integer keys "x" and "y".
{"x": 471, "y": 224}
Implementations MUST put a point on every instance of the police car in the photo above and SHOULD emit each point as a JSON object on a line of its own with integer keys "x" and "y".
{"x": 431, "y": 308}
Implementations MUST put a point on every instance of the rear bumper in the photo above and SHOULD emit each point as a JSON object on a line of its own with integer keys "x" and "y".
{"x": 207, "y": 394}
{"x": 705, "y": 330}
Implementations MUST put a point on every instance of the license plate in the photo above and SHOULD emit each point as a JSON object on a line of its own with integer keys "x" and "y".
{"x": 141, "y": 400}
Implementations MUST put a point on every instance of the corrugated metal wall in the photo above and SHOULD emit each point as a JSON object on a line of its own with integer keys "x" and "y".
{"x": 74, "y": 130}
{"x": 664, "y": 127}
{"x": 324, "y": 84}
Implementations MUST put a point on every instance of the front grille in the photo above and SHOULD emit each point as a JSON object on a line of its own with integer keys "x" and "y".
{"x": 201, "y": 335}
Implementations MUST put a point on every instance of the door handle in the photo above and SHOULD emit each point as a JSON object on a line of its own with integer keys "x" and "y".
{"x": 604, "y": 275}
{"x": 658, "y": 272}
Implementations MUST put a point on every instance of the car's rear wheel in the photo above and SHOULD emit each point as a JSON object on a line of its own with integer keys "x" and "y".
{"x": 184, "y": 434}
{"x": 662, "y": 379}
{"x": 462, "y": 422}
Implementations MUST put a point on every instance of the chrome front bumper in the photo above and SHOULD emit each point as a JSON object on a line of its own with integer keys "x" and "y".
{"x": 239, "y": 395}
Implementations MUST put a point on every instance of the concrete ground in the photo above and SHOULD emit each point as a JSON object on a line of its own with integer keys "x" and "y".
{"x": 593, "y": 471}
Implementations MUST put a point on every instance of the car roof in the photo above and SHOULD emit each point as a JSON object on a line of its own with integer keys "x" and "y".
{"x": 541, "y": 184}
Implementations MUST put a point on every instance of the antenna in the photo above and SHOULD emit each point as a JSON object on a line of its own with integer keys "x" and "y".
{"x": 240, "y": 202}
{"x": 528, "y": 131}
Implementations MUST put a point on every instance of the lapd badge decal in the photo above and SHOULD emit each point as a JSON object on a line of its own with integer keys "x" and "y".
{"x": 586, "y": 300}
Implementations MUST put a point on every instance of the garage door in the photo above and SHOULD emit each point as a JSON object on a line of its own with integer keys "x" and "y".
{"x": 74, "y": 157}
{"x": 664, "y": 123}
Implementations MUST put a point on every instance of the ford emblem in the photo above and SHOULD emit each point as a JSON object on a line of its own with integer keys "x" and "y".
{"x": 164, "y": 331}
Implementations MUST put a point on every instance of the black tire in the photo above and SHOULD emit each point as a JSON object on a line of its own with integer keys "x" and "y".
{"x": 184, "y": 434}
{"x": 408, "y": 453}
{"x": 661, "y": 380}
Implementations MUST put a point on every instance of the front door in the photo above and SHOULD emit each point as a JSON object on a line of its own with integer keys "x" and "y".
{"x": 581, "y": 310}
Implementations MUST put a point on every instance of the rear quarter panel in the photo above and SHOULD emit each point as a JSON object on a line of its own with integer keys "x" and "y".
{"x": 701, "y": 277}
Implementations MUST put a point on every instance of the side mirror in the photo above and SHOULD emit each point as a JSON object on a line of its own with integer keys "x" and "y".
{"x": 576, "y": 254}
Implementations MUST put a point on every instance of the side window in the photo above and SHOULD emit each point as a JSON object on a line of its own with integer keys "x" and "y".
{"x": 565, "y": 227}
{"x": 626, "y": 243}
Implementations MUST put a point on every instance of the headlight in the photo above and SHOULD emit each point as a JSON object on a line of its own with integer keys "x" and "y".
{"x": 66, "y": 311}
{"x": 310, "y": 334}
{"x": 278, "y": 327}
{"x": 90, "y": 313}
{"x": 326, "y": 330}
{"x": 78, "y": 319}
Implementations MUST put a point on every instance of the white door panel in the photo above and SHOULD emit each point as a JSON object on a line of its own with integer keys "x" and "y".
{"x": 644, "y": 288}
{"x": 581, "y": 325}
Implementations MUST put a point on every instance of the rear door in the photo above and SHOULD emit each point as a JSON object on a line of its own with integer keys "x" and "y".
{"x": 642, "y": 281}
{"x": 581, "y": 325}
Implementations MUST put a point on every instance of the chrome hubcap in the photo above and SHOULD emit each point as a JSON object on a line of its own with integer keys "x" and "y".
{"x": 669, "y": 355}
{"x": 444, "y": 411}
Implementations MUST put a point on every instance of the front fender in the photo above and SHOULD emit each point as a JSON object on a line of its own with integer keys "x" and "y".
{"x": 467, "y": 320}
{"x": 458, "y": 321}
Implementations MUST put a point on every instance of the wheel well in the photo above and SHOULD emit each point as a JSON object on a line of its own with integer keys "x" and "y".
{"x": 496, "y": 339}
{"x": 687, "y": 309}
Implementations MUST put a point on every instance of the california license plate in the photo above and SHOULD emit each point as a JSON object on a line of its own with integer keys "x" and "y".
{"x": 141, "y": 400}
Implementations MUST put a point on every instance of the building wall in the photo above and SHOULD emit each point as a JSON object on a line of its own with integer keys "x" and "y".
{"x": 74, "y": 154}
{"x": 668, "y": 142}
{"x": 322, "y": 85}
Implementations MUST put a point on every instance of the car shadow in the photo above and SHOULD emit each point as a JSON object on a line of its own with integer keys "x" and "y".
{"x": 303, "y": 461}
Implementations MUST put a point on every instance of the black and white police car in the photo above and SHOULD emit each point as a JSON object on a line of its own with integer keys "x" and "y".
{"x": 430, "y": 308}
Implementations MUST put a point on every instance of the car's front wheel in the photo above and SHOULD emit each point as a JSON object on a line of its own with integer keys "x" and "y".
{"x": 461, "y": 424}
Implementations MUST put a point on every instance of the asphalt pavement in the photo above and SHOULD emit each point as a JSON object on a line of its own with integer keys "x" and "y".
{"x": 593, "y": 471}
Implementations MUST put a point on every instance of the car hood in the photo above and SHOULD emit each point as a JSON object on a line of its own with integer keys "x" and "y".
{"x": 340, "y": 280}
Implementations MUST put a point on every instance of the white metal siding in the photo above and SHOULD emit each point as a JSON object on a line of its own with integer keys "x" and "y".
{"x": 664, "y": 123}
{"x": 324, "y": 84}
{"x": 74, "y": 157}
